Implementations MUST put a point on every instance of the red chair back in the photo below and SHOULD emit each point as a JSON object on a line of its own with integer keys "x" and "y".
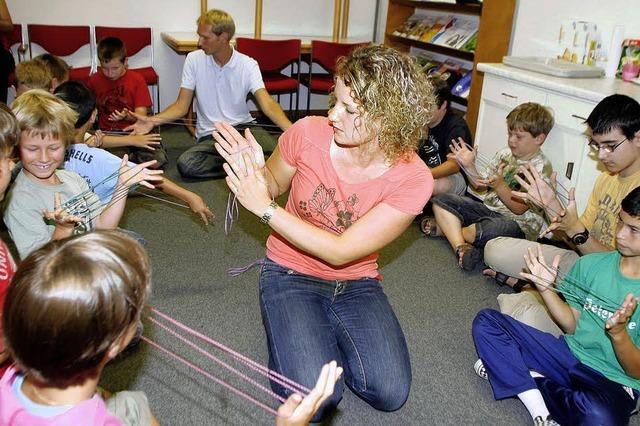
{"x": 9, "y": 38}
{"x": 326, "y": 53}
{"x": 59, "y": 40}
{"x": 271, "y": 55}
{"x": 135, "y": 39}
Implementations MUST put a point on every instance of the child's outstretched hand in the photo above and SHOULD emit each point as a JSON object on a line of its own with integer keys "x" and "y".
{"x": 567, "y": 219}
{"x": 198, "y": 206}
{"x": 494, "y": 180}
{"x": 95, "y": 140}
{"x": 147, "y": 141}
{"x": 64, "y": 221}
{"x": 536, "y": 189}
{"x": 462, "y": 154}
{"x": 618, "y": 322}
{"x": 120, "y": 115}
{"x": 297, "y": 411}
{"x": 139, "y": 174}
{"x": 541, "y": 274}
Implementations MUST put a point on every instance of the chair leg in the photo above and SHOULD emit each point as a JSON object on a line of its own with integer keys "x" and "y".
{"x": 158, "y": 97}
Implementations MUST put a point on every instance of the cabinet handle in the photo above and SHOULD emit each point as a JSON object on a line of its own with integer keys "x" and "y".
{"x": 578, "y": 117}
{"x": 569, "y": 171}
{"x": 509, "y": 96}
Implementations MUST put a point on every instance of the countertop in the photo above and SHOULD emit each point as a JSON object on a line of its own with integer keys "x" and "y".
{"x": 591, "y": 89}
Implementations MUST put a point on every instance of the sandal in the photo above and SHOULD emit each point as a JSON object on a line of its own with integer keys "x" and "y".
{"x": 468, "y": 256}
{"x": 429, "y": 227}
{"x": 503, "y": 279}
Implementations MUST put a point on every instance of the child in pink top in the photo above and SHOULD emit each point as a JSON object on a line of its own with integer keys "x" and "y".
{"x": 73, "y": 305}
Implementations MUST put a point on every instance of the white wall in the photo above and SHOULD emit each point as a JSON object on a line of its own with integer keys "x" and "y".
{"x": 311, "y": 17}
{"x": 537, "y": 22}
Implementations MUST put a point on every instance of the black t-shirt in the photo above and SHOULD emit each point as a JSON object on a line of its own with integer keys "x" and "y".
{"x": 435, "y": 148}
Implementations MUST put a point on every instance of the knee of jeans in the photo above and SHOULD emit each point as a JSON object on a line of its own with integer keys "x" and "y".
{"x": 186, "y": 165}
{"x": 484, "y": 318}
{"x": 598, "y": 412}
{"x": 392, "y": 398}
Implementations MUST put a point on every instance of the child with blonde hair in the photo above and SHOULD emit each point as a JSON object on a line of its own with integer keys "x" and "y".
{"x": 47, "y": 127}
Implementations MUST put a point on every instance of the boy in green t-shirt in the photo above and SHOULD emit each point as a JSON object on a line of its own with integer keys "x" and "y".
{"x": 591, "y": 375}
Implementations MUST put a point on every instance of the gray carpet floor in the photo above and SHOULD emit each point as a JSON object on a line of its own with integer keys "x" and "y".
{"x": 434, "y": 300}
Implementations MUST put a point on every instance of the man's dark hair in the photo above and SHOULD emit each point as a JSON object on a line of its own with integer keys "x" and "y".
{"x": 441, "y": 89}
{"x": 631, "y": 203}
{"x": 79, "y": 98}
{"x": 615, "y": 112}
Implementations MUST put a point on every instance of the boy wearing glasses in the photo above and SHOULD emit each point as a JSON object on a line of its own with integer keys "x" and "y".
{"x": 614, "y": 135}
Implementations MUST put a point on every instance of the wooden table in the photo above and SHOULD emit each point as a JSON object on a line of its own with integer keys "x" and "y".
{"x": 187, "y": 41}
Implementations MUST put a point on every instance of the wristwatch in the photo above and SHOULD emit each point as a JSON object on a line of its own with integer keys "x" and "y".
{"x": 580, "y": 238}
{"x": 271, "y": 209}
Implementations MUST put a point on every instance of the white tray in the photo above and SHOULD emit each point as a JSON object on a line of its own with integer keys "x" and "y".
{"x": 551, "y": 66}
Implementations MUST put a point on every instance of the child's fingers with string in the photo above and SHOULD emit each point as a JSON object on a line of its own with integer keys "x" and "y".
{"x": 539, "y": 271}
{"x": 59, "y": 214}
{"x": 139, "y": 174}
{"x": 198, "y": 206}
{"x": 299, "y": 411}
{"x": 618, "y": 321}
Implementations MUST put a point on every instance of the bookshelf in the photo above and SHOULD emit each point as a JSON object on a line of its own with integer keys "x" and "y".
{"x": 494, "y": 34}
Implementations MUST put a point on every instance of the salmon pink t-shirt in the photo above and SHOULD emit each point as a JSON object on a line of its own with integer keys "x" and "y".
{"x": 319, "y": 197}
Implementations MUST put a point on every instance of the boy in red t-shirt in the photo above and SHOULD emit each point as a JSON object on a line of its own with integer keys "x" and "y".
{"x": 120, "y": 91}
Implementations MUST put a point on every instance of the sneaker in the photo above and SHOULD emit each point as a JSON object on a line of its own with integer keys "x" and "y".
{"x": 478, "y": 367}
{"x": 540, "y": 421}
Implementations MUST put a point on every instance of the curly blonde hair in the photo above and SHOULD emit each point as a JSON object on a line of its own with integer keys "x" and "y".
{"x": 395, "y": 94}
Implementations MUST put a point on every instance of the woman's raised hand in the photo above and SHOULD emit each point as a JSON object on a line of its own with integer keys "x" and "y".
{"x": 245, "y": 167}
{"x": 234, "y": 144}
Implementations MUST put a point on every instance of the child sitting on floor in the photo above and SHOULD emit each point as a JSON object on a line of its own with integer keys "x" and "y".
{"x": 31, "y": 75}
{"x": 46, "y": 129}
{"x": 120, "y": 91}
{"x": 468, "y": 224}
{"x": 61, "y": 343}
{"x": 592, "y": 375}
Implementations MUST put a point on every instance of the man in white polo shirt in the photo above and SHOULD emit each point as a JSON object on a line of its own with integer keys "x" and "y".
{"x": 221, "y": 79}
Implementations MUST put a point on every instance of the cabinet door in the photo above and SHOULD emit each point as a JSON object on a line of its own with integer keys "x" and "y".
{"x": 567, "y": 149}
{"x": 499, "y": 97}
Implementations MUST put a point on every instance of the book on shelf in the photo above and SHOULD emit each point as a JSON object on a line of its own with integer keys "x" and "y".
{"x": 423, "y": 26}
{"x": 435, "y": 30}
{"x": 408, "y": 26}
{"x": 456, "y": 35}
{"x": 470, "y": 45}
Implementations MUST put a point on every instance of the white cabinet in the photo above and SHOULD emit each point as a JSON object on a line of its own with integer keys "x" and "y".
{"x": 566, "y": 145}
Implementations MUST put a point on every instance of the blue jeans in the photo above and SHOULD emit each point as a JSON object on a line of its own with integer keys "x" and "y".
{"x": 574, "y": 393}
{"x": 311, "y": 321}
